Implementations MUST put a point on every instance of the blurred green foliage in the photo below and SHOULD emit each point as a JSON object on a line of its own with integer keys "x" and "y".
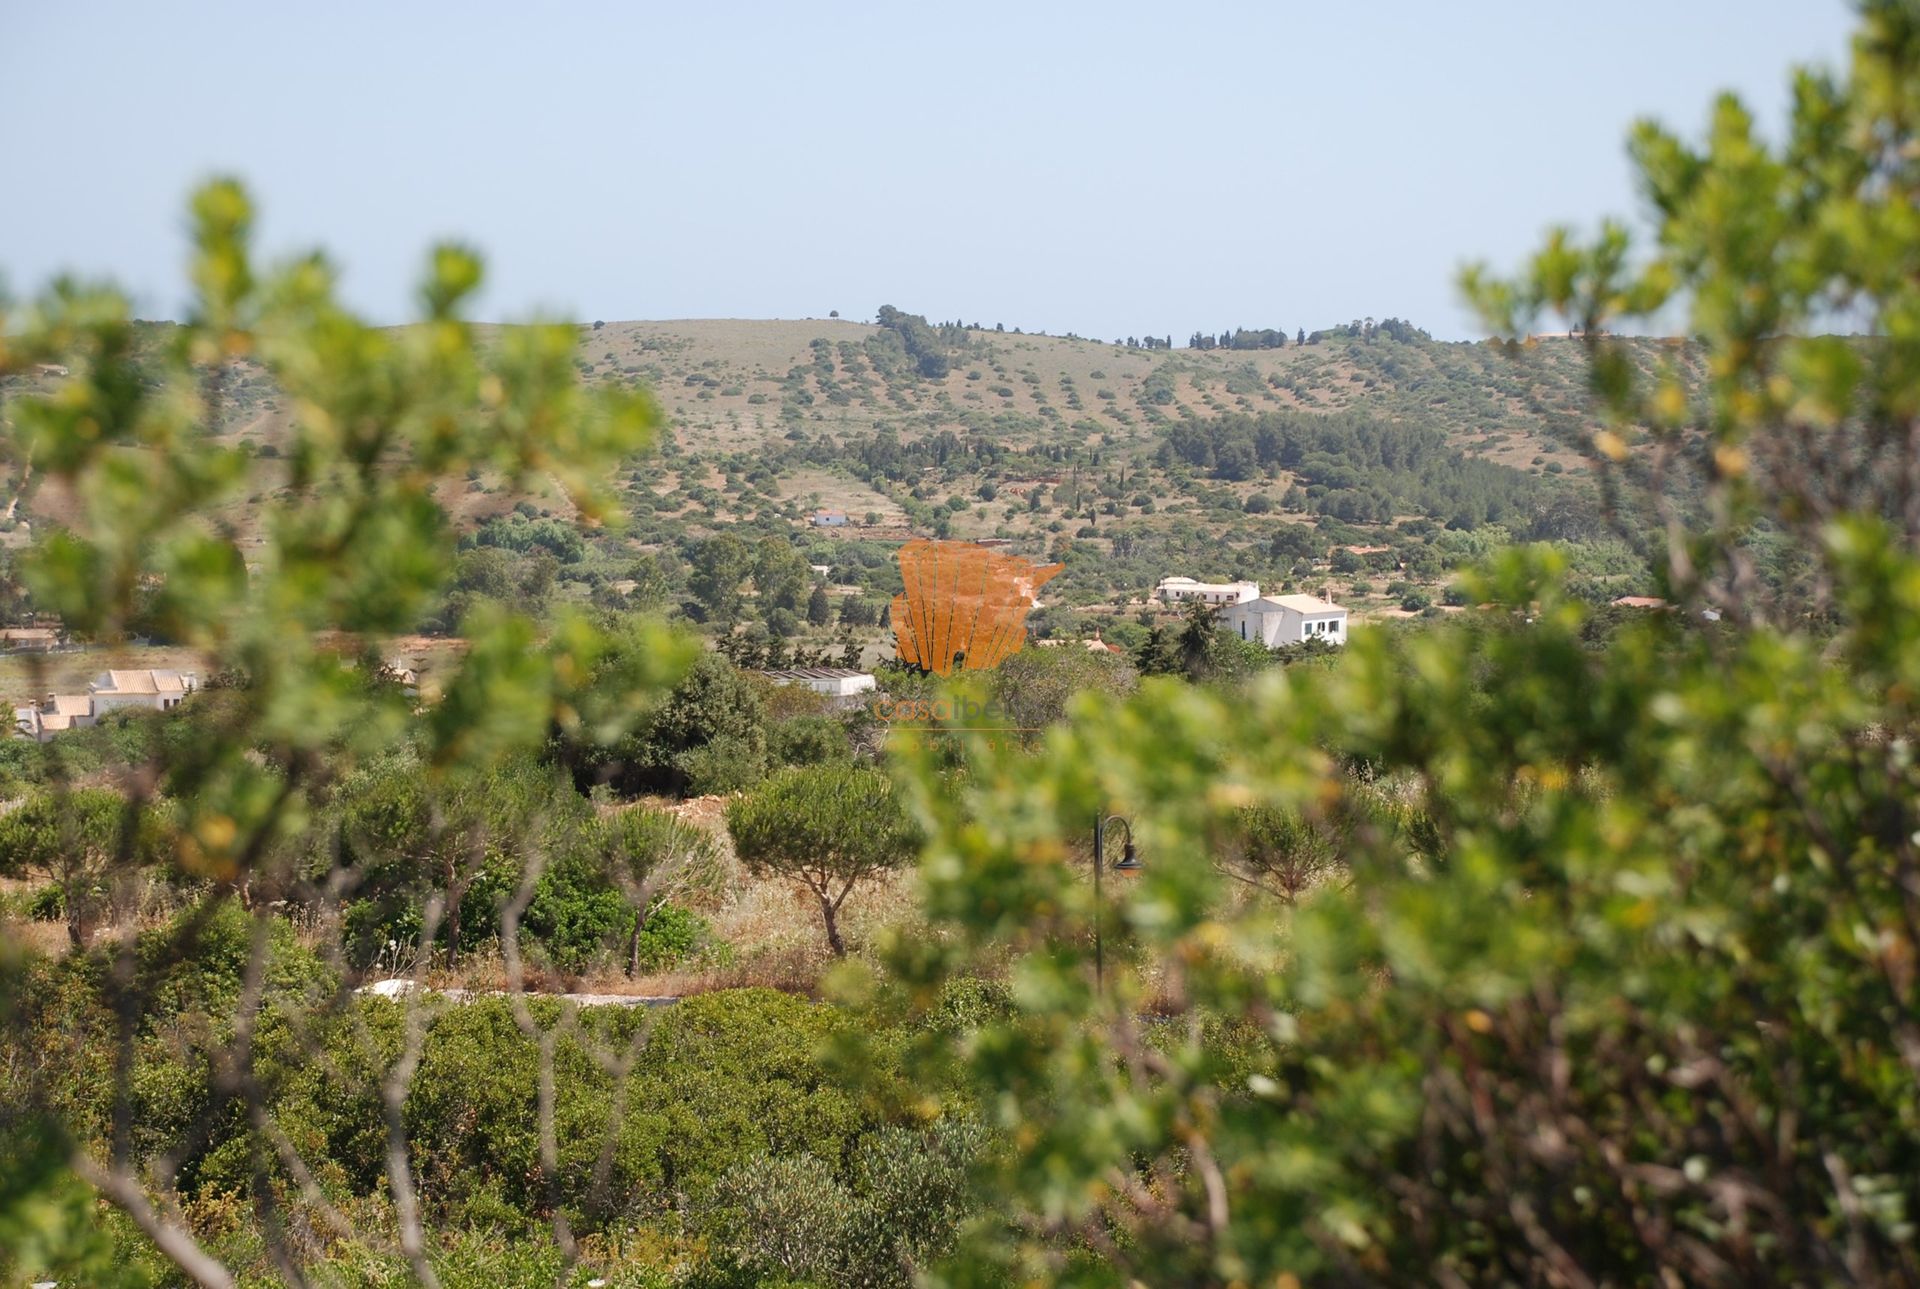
{"x": 1621, "y": 985}
{"x": 354, "y": 545}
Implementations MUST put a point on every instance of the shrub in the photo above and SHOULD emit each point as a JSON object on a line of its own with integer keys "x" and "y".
{"x": 794, "y": 1215}
{"x": 785, "y": 1215}
{"x": 732, "y": 1075}
{"x": 808, "y": 740}
{"x": 47, "y": 903}
{"x": 671, "y": 935}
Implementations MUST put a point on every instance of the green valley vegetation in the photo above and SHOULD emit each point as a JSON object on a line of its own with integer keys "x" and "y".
{"x": 1539, "y": 941}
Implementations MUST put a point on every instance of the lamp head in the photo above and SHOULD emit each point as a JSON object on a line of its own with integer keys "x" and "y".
{"x": 1129, "y": 861}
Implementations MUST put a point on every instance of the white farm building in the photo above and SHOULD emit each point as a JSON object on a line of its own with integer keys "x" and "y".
{"x": 1173, "y": 590}
{"x": 841, "y": 684}
{"x": 1287, "y": 619}
{"x": 159, "y": 691}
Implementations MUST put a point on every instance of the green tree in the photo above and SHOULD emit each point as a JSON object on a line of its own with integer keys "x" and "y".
{"x": 15, "y": 603}
{"x": 829, "y": 826}
{"x": 720, "y": 566}
{"x": 708, "y": 734}
{"x": 780, "y": 576}
{"x": 411, "y": 840}
{"x": 650, "y": 584}
{"x": 608, "y": 883}
{"x": 523, "y": 583}
{"x": 1037, "y": 686}
{"x": 655, "y": 857}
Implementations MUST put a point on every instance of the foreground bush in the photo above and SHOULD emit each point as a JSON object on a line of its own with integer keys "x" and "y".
{"x": 721, "y": 1088}
{"x": 1636, "y": 1002}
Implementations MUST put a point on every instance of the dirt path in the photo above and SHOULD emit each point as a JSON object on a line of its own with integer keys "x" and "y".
{"x": 401, "y": 987}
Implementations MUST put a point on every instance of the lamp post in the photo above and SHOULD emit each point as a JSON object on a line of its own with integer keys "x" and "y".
{"x": 1129, "y": 862}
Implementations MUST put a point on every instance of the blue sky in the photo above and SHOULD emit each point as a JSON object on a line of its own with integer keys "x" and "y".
{"x": 1113, "y": 169}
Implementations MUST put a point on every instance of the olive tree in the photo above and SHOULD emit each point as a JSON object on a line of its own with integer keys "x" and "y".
{"x": 1036, "y": 686}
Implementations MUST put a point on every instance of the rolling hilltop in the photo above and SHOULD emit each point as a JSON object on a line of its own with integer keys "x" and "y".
{"x": 733, "y": 384}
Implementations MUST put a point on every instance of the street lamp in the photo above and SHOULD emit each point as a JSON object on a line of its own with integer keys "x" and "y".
{"x": 1129, "y": 862}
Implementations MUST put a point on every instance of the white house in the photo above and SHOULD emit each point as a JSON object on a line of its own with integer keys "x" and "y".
{"x": 1287, "y": 619}
{"x": 158, "y": 691}
{"x": 1175, "y": 589}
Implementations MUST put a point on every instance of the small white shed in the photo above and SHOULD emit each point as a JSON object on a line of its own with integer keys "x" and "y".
{"x": 834, "y": 682}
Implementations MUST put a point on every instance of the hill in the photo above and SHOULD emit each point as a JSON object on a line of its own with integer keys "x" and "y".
{"x": 1126, "y": 461}
{"x": 733, "y": 384}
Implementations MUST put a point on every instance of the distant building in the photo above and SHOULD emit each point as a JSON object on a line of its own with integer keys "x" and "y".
{"x": 29, "y": 639}
{"x": 829, "y": 519}
{"x": 1654, "y": 603}
{"x": 110, "y": 691}
{"x": 1287, "y": 619}
{"x": 1095, "y": 645}
{"x": 55, "y": 714}
{"x": 839, "y": 683}
{"x": 1174, "y": 590}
